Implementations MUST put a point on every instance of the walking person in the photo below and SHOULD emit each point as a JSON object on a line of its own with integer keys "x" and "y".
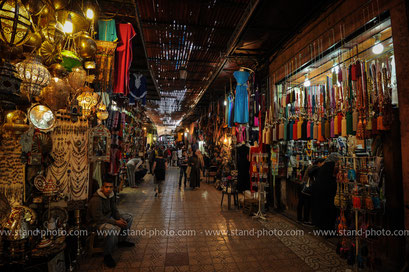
{"x": 174, "y": 157}
{"x": 159, "y": 170}
{"x": 183, "y": 164}
{"x": 151, "y": 159}
{"x": 195, "y": 165}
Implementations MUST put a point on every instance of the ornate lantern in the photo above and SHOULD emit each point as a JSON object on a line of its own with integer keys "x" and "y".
{"x": 14, "y": 22}
{"x": 77, "y": 78}
{"x": 54, "y": 32}
{"x": 56, "y": 94}
{"x": 50, "y": 53}
{"x": 16, "y": 121}
{"x": 102, "y": 113}
{"x": 42, "y": 117}
{"x": 87, "y": 100}
{"x": 35, "y": 76}
{"x": 9, "y": 80}
{"x": 87, "y": 48}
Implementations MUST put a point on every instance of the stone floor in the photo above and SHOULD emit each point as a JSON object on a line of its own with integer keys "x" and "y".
{"x": 199, "y": 212}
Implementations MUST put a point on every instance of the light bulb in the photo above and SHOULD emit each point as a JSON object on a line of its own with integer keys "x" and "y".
{"x": 185, "y": 134}
{"x": 377, "y": 49}
{"x": 307, "y": 82}
{"x": 68, "y": 28}
{"x": 225, "y": 102}
{"x": 225, "y": 140}
{"x": 90, "y": 13}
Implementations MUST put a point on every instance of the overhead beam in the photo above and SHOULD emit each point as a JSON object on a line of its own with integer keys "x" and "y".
{"x": 176, "y": 60}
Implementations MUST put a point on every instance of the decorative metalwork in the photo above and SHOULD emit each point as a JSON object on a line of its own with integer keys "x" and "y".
{"x": 87, "y": 100}
{"x": 42, "y": 117}
{"x": 34, "y": 75}
{"x": 14, "y": 23}
{"x": 99, "y": 144}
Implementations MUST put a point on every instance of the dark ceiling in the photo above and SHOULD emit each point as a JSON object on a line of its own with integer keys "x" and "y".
{"x": 210, "y": 39}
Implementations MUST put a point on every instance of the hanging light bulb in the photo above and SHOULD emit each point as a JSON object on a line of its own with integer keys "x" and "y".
{"x": 307, "y": 82}
{"x": 90, "y": 13}
{"x": 378, "y": 47}
{"x": 225, "y": 102}
{"x": 68, "y": 27}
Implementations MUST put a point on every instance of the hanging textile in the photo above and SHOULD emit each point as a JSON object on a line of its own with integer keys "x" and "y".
{"x": 70, "y": 169}
{"x": 104, "y": 59}
{"x": 241, "y": 107}
{"x": 243, "y": 165}
{"x": 123, "y": 58}
{"x": 137, "y": 89}
{"x": 12, "y": 171}
{"x": 107, "y": 30}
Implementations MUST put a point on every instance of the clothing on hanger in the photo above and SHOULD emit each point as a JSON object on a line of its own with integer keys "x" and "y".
{"x": 107, "y": 30}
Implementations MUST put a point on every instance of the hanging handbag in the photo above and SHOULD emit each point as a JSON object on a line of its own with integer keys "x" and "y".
{"x": 307, "y": 189}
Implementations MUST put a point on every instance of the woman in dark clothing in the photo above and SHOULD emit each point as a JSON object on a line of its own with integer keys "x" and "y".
{"x": 159, "y": 169}
{"x": 305, "y": 197}
{"x": 324, "y": 191}
{"x": 194, "y": 163}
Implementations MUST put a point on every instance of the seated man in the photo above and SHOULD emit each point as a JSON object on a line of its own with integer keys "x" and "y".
{"x": 103, "y": 215}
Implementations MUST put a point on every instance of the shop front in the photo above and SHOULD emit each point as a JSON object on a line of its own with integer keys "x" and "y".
{"x": 64, "y": 128}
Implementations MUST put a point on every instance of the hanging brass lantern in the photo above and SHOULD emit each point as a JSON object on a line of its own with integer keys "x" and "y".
{"x": 87, "y": 48}
{"x": 77, "y": 78}
{"x": 16, "y": 121}
{"x": 15, "y": 23}
{"x": 34, "y": 42}
{"x": 57, "y": 70}
{"x": 9, "y": 80}
{"x": 56, "y": 94}
{"x": 87, "y": 99}
{"x": 35, "y": 76}
{"x": 50, "y": 53}
{"x": 42, "y": 117}
{"x": 102, "y": 113}
{"x": 54, "y": 32}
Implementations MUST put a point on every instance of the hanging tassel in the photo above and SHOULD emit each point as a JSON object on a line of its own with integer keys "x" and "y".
{"x": 315, "y": 134}
{"x": 322, "y": 128}
{"x": 369, "y": 124}
{"x": 320, "y": 137}
{"x": 334, "y": 125}
{"x": 274, "y": 133}
{"x": 360, "y": 130}
{"x": 295, "y": 129}
{"x": 308, "y": 130}
{"x": 332, "y": 128}
{"x": 327, "y": 129}
{"x": 340, "y": 123}
{"x": 349, "y": 123}
{"x": 299, "y": 129}
{"x": 375, "y": 130}
{"x": 291, "y": 130}
{"x": 344, "y": 127}
{"x": 379, "y": 122}
{"x": 355, "y": 121}
{"x": 366, "y": 133}
{"x": 285, "y": 138}
{"x": 280, "y": 131}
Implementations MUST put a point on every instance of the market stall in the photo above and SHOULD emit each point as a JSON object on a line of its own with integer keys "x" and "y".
{"x": 63, "y": 119}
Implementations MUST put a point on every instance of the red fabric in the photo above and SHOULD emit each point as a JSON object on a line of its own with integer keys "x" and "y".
{"x": 123, "y": 58}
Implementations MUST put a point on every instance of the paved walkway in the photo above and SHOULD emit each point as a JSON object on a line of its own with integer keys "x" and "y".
{"x": 200, "y": 211}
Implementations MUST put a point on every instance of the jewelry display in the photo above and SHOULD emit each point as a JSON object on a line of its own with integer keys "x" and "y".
{"x": 12, "y": 171}
{"x": 70, "y": 167}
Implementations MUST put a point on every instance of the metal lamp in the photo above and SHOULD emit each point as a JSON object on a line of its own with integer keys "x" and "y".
{"x": 34, "y": 75}
{"x": 15, "y": 23}
{"x": 87, "y": 99}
